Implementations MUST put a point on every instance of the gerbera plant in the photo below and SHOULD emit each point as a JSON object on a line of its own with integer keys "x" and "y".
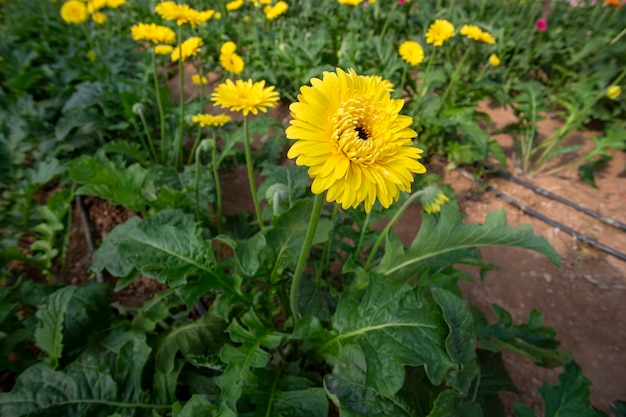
{"x": 247, "y": 97}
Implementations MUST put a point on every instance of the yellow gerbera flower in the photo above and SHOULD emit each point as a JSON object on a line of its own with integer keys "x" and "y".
{"x": 487, "y": 38}
{"x": 385, "y": 84}
{"x": 74, "y": 12}
{"x": 189, "y": 48}
{"x": 152, "y": 33}
{"x": 471, "y": 31}
{"x": 613, "y": 92}
{"x": 350, "y": 2}
{"x": 351, "y": 136}
{"x": 114, "y": 4}
{"x": 228, "y": 47}
{"x": 411, "y": 52}
{"x": 163, "y": 49}
{"x": 99, "y": 17}
{"x": 199, "y": 79}
{"x": 234, "y": 5}
{"x": 95, "y": 5}
{"x": 246, "y": 97}
{"x": 494, "y": 61}
{"x": 208, "y": 120}
{"x": 232, "y": 63}
{"x": 182, "y": 13}
{"x": 272, "y": 12}
{"x": 439, "y": 32}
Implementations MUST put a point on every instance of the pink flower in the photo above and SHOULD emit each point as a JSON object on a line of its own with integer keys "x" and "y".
{"x": 542, "y": 25}
{"x": 401, "y": 2}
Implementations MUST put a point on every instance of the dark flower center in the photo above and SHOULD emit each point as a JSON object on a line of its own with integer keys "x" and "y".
{"x": 363, "y": 135}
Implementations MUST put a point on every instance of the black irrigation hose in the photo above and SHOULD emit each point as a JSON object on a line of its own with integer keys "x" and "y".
{"x": 532, "y": 212}
{"x": 85, "y": 222}
{"x": 546, "y": 193}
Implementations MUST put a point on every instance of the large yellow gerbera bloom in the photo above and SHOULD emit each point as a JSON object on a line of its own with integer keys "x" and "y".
{"x": 246, "y": 97}
{"x": 351, "y": 136}
{"x": 439, "y": 31}
{"x": 74, "y": 12}
{"x": 411, "y": 52}
{"x": 272, "y": 12}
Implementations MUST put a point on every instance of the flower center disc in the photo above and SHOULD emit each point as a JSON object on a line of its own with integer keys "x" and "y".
{"x": 356, "y": 125}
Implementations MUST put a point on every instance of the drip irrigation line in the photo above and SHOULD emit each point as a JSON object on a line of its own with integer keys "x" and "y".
{"x": 546, "y": 193}
{"x": 532, "y": 212}
{"x": 85, "y": 222}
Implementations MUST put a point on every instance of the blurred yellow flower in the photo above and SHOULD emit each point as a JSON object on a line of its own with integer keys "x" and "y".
{"x": 217, "y": 16}
{"x": 412, "y": 52}
{"x": 189, "y": 48}
{"x": 98, "y": 17}
{"x": 234, "y": 5}
{"x": 91, "y": 55}
{"x": 232, "y": 63}
{"x": 95, "y": 5}
{"x": 182, "y": 13}
{"x": 613, "y": 92}
{"x": 272, "y": 12}
{"x": 114, "y": 4}
{"x": 208, "y": 120}
{"x": 350, "y": 2}
{"x": 228, "y": 47}
{"x": 475, "y": 33}
{"x": 350, "y": 134}
{"x": 199, "y": 79}
{"x": 439, "y": 32}
{"x": 245, "y": 96}
{"x": 152, "y": 33}
{"x": 163, "y": 49}
{"x": 74, "y": 12}
{"x": 494, "y": 61}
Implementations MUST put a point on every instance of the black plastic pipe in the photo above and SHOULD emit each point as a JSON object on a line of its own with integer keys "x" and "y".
{"x": 546, "y": 193}
{"x": 535, "y": 213}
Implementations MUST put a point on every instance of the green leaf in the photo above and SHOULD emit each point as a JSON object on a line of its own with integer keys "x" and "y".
{"x": 195, "y": 407}
{"x": 461, "y": 341}
{"x": 112, "y": 181}
{"x": 252, "y": 338}
{"x": 494, "y": 378}
{"x": 446, "y": 232}
{"x": 531, "y": 339}
{"x": 49, "y": 331}
{"x": 201, "y": 337}
{"x": 569, "y": 398}
{"x": 392, "y": 326}
{"x": 167, "y": 247}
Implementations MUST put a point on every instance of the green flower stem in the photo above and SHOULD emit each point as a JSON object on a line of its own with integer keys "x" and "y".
{"x": 181, "y": 89}
{"x": 159, "y": 106}
{"x": 406, "y": 65}
{"x": 455, "y": 75}
{"x": 304, "y": 255}
{"x": 197, "y": 189}
{"x": 146, "y": 130}
{"x": 385, "y": 232}
{"x": 249, "y": 165}
{"x": 359, "y": 245}
{"x": 197, "y": 141}
{"x": 218, "y": 187}
{"x": 326, "y": 251}
{"x": 386, "y": 25}
{"x": 424, "y": 89}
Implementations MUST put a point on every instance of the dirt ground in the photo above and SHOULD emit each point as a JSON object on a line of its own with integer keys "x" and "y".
{"x": 583, "y": 300}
